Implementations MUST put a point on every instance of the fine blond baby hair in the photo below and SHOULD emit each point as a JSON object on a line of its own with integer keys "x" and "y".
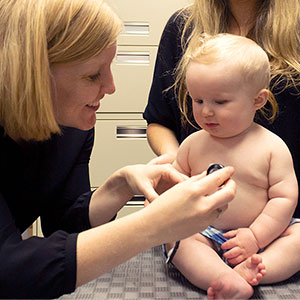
{"x": 276, "y": 30}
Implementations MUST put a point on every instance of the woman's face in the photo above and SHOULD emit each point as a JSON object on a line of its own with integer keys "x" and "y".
{"x": 77, "y": 89}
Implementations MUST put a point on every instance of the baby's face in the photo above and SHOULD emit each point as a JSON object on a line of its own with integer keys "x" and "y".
{"x": 223, "y": 104}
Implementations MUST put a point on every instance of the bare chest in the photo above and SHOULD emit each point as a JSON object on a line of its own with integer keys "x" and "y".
{"x": 251, "y": 166}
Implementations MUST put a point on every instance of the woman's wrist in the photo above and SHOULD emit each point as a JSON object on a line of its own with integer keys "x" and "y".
{"x": 109, "y": 198}
{"x": 118, "y": 185}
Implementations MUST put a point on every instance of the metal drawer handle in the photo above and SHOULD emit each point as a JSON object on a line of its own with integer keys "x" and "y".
{"x": 129, "y": 132}
{"x": 137, "y": 200}
{"x": 139, "y": 58}
{"x": 136, "y": 28}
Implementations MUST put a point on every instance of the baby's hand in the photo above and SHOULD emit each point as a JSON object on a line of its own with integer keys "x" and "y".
{"x": 241, "y": 245}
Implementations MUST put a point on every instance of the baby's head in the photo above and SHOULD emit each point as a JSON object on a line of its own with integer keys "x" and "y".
{"x": 236, "y": 62}
{"x": 236, "y": 53}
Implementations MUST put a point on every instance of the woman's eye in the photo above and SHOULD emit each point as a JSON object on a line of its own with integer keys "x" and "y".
{"x": 94, "y": 77}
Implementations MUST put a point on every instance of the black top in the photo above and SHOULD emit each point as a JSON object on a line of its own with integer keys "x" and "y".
{"x": 48, "y": 179}
{"x": 162, "y": 107}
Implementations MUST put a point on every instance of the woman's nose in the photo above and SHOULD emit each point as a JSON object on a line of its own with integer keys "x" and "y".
{"x": 109, "y": 84}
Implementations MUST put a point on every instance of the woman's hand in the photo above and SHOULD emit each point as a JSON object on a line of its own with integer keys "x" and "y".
{"x": 190, "y": 206}
{"x": 147, "y": 180}
{"x": 167, "y": 158}
{"x": 151, "y": 180}
{"x": 186, "y": 208}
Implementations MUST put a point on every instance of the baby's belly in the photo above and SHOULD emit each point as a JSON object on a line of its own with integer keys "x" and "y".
{"x": 242, "y": 211}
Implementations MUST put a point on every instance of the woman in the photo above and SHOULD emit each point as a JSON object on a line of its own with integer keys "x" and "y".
{"x": 274, "y": 25}
{"x": 55, "y": 68}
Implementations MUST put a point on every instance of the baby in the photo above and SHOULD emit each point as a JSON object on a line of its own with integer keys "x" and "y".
{"x": 227, "y": 79}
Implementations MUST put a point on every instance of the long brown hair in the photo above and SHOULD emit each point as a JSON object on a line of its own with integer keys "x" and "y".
{"x": 276, "y": 30}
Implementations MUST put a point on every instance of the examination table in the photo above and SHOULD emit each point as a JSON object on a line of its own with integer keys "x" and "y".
{"x": 146, "y": 277}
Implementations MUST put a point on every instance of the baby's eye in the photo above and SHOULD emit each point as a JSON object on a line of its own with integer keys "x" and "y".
{"x": 199, "y": 101}
{"x": 221, "y": 101}
{"x": 94, "y": 77}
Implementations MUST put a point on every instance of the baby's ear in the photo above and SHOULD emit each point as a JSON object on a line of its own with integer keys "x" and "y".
{"x": 261, "y": 98}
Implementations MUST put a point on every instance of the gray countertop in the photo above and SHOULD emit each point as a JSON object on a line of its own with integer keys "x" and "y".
{"x": 146, "y": 277}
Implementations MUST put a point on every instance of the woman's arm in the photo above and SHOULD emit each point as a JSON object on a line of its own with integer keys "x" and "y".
{"x": 162, "y": 113}
{"x": 163, "y": 141}
{"x": 66, "y": 182}
{"x": 104, "y": 247}
{"x": 34, "y": 268}
{"x": 147, "y": 180}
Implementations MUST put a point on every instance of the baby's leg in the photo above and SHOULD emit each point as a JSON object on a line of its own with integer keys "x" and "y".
{"x": 251, "y": 270}
{"x": 282, "y": 257}
{"x": 201, "y": 265}
{"x": 227, "y": 286}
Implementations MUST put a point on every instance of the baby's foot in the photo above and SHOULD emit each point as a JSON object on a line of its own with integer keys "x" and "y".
{"x": 229, "y": 286}
{"x": 252, "y": 269}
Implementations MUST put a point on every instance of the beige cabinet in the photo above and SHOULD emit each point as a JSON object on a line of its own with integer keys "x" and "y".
{"x": 119, "y": 141}
{"x": 120, "y": 137}
{"x": 132, "y": 70}
{"x": 144, "y": 20}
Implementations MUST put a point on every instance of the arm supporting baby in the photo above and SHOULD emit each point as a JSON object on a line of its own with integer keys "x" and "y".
{"x": 163, "y": 142}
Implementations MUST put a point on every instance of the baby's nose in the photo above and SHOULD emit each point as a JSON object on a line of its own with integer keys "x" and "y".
{"x": 207, "y": 111}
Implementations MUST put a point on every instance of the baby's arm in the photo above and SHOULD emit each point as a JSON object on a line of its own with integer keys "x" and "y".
{"x": 275, "y": 217}
{"x": 283, "y": 197}
{"x": 181, "y": 163}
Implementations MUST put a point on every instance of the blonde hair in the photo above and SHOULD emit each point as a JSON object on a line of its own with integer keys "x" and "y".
{"x": 276, "y": 30}
{"x": 237, "y": 52}
{"x": 33, "y": 35}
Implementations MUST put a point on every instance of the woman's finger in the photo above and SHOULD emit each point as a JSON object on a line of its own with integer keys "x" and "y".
{"x": 173, "y": 176}
{"x": 148, "y": 191}
{"x": 221, "y": 197}
{"x": 166, "y": 178}
{"x": 162, "y": 159}
{"x": 215, "y": 180}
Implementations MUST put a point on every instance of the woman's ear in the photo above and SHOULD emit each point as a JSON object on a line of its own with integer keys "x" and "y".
{"x": 261, "y": 98}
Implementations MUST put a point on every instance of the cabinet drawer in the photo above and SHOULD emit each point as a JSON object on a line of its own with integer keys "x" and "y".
{"x": 118, "y": 143}
{"x": 129, "y": 209}
{"x": 132, "y": 70}
{"x": 144, "y": 20}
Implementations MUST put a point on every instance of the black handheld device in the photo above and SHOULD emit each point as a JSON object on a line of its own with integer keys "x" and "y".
{"x": 213, "y": 168}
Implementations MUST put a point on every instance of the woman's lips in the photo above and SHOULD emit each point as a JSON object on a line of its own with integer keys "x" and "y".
{"x": 94, "y": 107}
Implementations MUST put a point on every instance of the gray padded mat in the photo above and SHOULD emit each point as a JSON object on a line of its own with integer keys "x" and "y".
{"x": 146, "y": 277}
